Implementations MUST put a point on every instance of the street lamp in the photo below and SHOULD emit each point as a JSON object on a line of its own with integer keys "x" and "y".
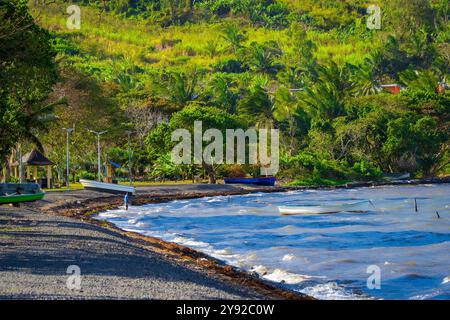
{"x": 68, "y": 131}
{"x": 21, "y": 175}
{"x": 98, "y": 133}
{"x": 129, "y": 157}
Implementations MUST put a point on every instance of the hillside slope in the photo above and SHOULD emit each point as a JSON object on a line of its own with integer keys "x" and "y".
{"x": 140, "y": 61}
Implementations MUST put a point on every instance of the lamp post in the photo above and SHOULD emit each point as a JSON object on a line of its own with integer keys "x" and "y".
{"x": 68, "y": 132}
{"x": 98, "y": 133}
{"x": 21, "y": 175}
{"x": 130, "y": 176}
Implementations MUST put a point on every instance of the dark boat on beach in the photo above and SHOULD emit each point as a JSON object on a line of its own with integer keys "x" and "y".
{"x": 14, "y": 193}
{"x": 262, "y": 181}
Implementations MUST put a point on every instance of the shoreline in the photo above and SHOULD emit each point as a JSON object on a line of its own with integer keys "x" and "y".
{"x": 84, "y": 210}
{"x": 80, "y": 206}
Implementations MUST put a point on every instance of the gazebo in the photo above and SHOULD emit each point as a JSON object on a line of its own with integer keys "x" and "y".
{"x": 34, "y": 160}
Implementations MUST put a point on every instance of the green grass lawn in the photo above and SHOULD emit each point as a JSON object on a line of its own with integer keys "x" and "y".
{"x": 311, "y": 182}
{"x": 73, "y": 186}
{"x": 78, "y": 186}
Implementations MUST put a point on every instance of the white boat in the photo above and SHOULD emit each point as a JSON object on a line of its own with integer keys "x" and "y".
{"x": 397, "y": 176}
{"x": 107, "y": 187}
{"x": 357, "y": 206}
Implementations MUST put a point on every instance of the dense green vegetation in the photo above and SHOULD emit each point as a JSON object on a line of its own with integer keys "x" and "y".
{"x": 27, "y": 74}
{"x": 309, "y": 68}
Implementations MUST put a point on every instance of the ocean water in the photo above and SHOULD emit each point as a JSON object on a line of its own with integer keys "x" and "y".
{"x": 326, "y": 256}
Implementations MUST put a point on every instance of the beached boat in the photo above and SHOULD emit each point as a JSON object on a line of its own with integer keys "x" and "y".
{"x": 262, "y": 181}
{"x": 107, "y": 187}
{"x": 397, "y": 176}
{"x": 20, "y": 192}
{"x": 357, "y": 206}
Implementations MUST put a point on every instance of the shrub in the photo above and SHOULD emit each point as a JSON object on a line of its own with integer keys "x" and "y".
{"x": 62, "y": 45}
{"x": 235, "y": 171}
{"x": 230, "y": 65}
{"x": 84, "y": 175}
{"x": 366, "y": 171}
{"x": 309, "y": 165}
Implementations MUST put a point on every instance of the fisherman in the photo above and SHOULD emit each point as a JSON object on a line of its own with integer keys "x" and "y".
{"x": 126, "y": 200}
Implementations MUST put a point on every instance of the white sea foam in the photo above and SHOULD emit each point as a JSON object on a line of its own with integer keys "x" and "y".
{"x": 283, "y": 276}
{"x": 224, "y": 252}
{"x": 262, "y": 270}
{"x": 330, "y": 291}
{"x": 217, "y": 199}
{"x": 142, "y": 225}
{"x": 427, "y": 296}
{"x": 288, "y": 257}
{"x": 109, "y": 214}
{"x": 190, "y": 242}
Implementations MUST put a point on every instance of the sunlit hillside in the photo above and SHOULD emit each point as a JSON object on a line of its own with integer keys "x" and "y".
{"x": 356, "y": 91}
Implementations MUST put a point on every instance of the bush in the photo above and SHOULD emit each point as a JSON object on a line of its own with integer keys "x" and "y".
{"x": 308, "y": 165}
{"x": 219, "y": 7}
{"x": 267, "y": 13}
{"x": 366, "y": 171}
{"x": 62, "y": 45}
{"x": 317, "y": 182}
{"x": 84, "y": 175}
{"x": 314, "y": 169}
{"x": 230, "y": 66}
{"x": 235, "y": 171}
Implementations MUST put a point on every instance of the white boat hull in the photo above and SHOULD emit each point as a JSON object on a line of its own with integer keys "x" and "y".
{"x": 107, "y": 187}
{"x": 359, "y": 206}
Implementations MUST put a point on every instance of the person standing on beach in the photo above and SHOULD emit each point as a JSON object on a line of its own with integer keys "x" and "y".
{"x": 126, "y": 200}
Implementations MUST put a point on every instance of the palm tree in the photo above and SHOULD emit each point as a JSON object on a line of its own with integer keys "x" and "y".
{"x": 324, "y": 99}
{"x": 234, "y": 37}
{"x": 178, "y": 88}
{"x": 262, "y": 57}
{"x": 285, "y": 109}
{"x": 212, "y": 48}
{"x": 223, "y": 95}
{"x": 36, "y": 119}
{"x": 364, "y": 78}
{"x": 257, "y": 104}
{"x": 425, "y": 80}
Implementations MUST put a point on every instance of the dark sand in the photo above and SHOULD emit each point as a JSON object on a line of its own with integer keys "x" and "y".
{"x": 38, "y": 244}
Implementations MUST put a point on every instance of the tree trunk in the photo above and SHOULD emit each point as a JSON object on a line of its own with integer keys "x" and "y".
{"x": 8, "y": 168}
{"x": 6, "y": 171}
{"x": 211, "y": 173}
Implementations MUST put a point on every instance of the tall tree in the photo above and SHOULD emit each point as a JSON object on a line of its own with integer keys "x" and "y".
{"x": 222, "y": 92}
{"x": 27, "y": 73}
{"x": 262, "y": 58}
{"x": 365, "y": 78}
{"x": 178, "y": 88}
{"x": 257, "y": 105}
